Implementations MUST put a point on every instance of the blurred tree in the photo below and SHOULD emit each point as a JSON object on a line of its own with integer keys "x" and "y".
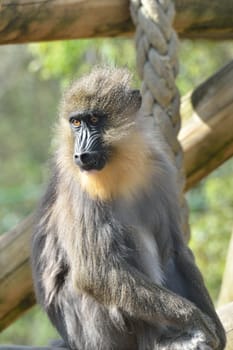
{"x": 199, "y": 59}
{"x": 211, "y": 208}
{"x": 31, "y": 81}
{"x": 33, "y": 329}
{"x": 27, "y": 113}
{"x": 67, "y": 60}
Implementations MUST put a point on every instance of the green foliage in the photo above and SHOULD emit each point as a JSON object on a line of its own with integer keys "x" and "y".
{"x": 69, "y": 59}
{"x": 199, "y": 60}
{"x": 27, "y": 113}
{"x": 34, "y": 328}
{"x": 211, "y": 205}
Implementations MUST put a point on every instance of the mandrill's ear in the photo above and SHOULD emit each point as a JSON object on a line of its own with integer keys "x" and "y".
{"x": 135, "y": 99}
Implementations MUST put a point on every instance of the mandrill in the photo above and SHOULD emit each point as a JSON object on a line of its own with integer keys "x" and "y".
{"x": 110, "y": 265}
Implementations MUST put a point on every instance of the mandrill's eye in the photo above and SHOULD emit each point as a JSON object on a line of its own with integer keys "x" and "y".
{"x": 76, "y": 122}
{"x": 94, "y": 119}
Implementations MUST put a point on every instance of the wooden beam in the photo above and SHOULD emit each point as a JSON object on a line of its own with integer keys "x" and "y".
{"x": 42, "y": 20}
{"x": 207, "y": 141}
{"x": 25, "y": 21}
{"x": 207, "y": 138}
{"x": 204, "y": 19}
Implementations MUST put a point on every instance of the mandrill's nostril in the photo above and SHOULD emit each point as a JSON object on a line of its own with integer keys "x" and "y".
{"x": 86, "y": 157}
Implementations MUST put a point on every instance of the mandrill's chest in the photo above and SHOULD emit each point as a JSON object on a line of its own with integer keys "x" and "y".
{"x": 142, "y": 227}
{"x": 150, "y": 261}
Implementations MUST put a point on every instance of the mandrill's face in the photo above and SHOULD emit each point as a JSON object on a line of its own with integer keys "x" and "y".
{"x": 90, "y": 151}
{"x": 101, "y": 110}
{"x": 101, "y": 139}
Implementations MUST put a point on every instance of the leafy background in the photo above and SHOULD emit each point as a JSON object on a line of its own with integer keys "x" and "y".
{"x": 32, "y": 80}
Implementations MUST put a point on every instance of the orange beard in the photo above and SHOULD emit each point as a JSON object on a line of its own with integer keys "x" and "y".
{"x": 127, "y": 171}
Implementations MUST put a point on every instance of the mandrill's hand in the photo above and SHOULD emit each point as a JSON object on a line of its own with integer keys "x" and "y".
{"x": 193, "y": 341}
{"x": 201, "y": 336}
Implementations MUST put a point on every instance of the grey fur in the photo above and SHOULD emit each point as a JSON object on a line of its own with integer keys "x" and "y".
{"x": 116, "y": 274}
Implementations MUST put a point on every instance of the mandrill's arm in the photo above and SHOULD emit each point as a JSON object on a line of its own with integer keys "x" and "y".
{"x": 196, "y": 289}
{"x": 115, "y": 283}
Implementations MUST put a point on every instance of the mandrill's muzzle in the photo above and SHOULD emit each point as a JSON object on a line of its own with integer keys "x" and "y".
{"x": 94, "y": 160}
{"x": 90, "y": 153}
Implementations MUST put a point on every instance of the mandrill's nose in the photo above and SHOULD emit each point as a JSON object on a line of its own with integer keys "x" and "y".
{"x": 87, "y": 157}
{"x": 87, "y": 160}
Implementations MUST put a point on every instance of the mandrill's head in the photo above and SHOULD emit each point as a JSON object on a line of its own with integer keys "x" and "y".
{"x": 100, "y": 139}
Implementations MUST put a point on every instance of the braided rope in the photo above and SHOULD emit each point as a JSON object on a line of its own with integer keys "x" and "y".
{"x": 157, "y": 63}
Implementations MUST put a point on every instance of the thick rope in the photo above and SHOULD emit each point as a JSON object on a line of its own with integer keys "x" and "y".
{"x": 157, "y": 63}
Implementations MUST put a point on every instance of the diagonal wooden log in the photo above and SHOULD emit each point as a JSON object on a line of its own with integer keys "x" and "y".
{"x": 43, "y": 20}
{"x": 16, "y": 288}
{"x": 207, "y": 141}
